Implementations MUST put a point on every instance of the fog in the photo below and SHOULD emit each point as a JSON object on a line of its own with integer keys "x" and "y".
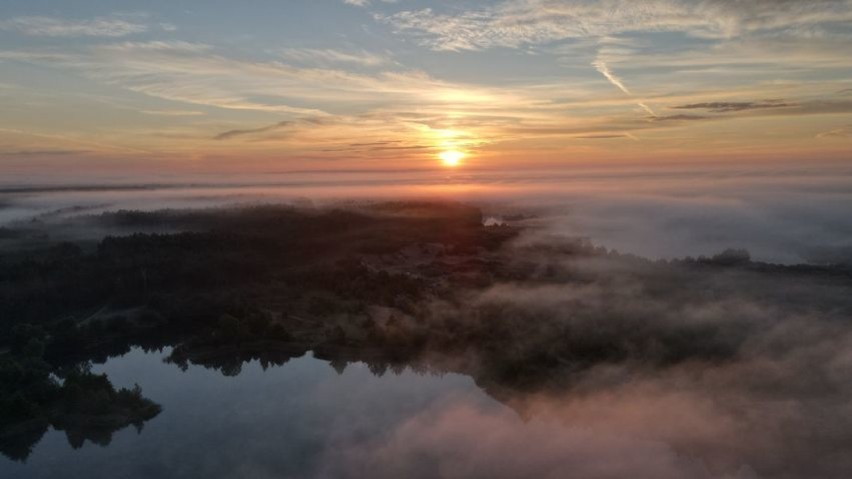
{"x": 785, "y": 214}
{"x": 670, "y": 371}
{"x": 730, "y": 375}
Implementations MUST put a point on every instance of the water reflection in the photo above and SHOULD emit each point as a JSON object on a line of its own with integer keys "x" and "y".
{"x": 294, "y": 415}
{"x": 308, "y": 418}
{"x": 265, "y": 422}
{"x": 86, "y": 406}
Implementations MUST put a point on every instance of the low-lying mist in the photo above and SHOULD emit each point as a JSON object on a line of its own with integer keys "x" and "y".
{"x": 786, "y": 214}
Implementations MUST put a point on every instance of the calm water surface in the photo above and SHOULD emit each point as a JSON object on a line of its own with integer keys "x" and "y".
{"x": 299, "y": 420}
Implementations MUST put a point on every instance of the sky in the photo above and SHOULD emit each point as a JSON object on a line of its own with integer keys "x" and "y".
{"x": 338, "y": 85}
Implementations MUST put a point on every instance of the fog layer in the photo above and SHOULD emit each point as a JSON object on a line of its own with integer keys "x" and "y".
{"x": 786, "y": 214}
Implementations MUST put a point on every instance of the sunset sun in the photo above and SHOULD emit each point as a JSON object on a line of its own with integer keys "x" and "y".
{"x": 451, "y": 158}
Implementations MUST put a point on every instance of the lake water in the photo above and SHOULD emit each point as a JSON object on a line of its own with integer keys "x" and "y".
{"x": 306, "y": 419}
{"x": 299, "y": 420}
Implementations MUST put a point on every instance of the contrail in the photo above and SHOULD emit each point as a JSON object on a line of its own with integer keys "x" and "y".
{"x": 646, "y": 108}
{"x": 602, "y": 67}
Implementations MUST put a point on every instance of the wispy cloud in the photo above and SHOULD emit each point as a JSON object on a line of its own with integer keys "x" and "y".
{"x": 679, "y": 118}
{"x": 605, "y": 137}
{"x": 529, "y": 22}
{"x": 330, "y": 56}
{"x": 728, "y": 106}
{"x": 197, "y": 73}
{"x": 61, "y": 27}
{"x": 172, "y": 112}
{"x": 364, "y": 3}
{"x": 646, "y": 108}
{"x": 604, "y": 70}
{"x": 227, "y": 135}
{"x": 28, "y": 153}
{"x": 842, "y": 132}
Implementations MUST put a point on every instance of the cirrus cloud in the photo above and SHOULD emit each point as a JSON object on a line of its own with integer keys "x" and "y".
{"x": 60, "y": 27}
{"x": 518, "y": 23}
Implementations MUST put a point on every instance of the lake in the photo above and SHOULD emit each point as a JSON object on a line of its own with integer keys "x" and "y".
{"x": 285, "y": 421}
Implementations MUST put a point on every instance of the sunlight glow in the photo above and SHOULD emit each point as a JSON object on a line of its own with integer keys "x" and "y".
{"x": 451, "y": 158}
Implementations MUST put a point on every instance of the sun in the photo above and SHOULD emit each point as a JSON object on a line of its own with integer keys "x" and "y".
{"x": 451, "y": 157}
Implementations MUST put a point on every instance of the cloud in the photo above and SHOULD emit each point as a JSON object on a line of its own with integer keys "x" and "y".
{"x": 647, "y": 108}
{"x": 364, "y": 3}
{"x": 402, "y": 103}
{"x": 679, "y": 118}
{"x": 604, "y": 70}
{"x": 601, "y": 67}
{"x": 195, "y": 73}
{"x": 60, "y": 27}
{"x": 172, "y": 112}
{"x": 227, "y": 135}
{"x": 329, "y": 56}
{"x": 841, "y": 132}
{"x": 766, "y": 108}
{"x": 534, "y": 22}
{"x": 603, "y": 137}
{"x": 26, "y": 153}
{"x": 724, "y": 107}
